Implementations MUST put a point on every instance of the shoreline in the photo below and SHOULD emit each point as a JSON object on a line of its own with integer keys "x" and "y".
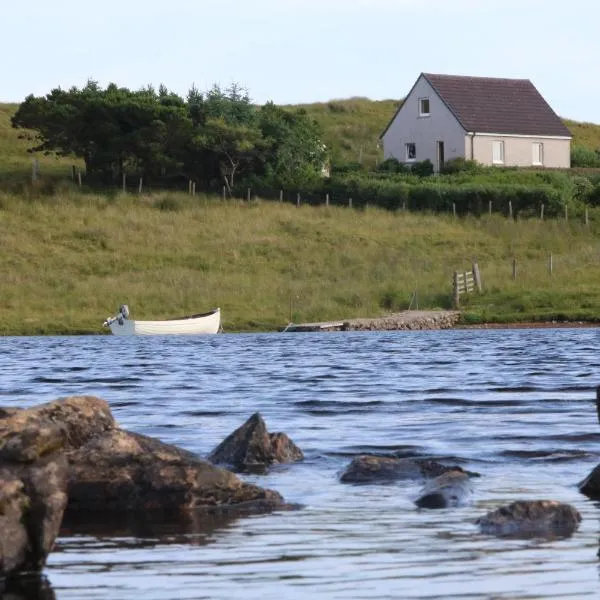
{"x": 531, "y": 325}
{"x": 424, "y": 320}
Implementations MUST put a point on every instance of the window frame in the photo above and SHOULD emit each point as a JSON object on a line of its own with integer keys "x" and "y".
{"x": 423, "y": 113}
{"x": 502, "y": 156}
{"x": 407, "y": 152}
{"x": 540, "y": 154}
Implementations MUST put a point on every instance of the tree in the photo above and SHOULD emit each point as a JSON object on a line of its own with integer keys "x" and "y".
{"x": 295, "y": 154}
{"x": 234, "y": 145}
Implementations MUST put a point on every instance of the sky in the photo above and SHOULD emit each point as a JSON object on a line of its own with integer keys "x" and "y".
{"x": 302, "y": 51}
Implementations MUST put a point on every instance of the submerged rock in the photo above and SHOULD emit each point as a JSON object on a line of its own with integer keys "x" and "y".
{"x": 531, "y": 518}
{"x": 251, "y": 446}
{"x": 28, "y": 586}
{"x": 590, "y": 486}
{"x": 380, "y": 469}
{"x": 449, "y": 490}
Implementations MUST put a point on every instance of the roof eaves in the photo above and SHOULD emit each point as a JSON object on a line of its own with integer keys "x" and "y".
{"x": 399, "y": 108}
{"x": 441, "y": 97}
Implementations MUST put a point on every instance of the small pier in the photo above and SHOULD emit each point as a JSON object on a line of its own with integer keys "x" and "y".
{"x": 405, "y": 320}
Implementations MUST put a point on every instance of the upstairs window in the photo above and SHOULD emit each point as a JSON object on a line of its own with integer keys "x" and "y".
{"x": 411, "y": 152}
{"x": 537, "y": 153}
{"x": 498, "y": 152}
{"x": 424, "y": 107}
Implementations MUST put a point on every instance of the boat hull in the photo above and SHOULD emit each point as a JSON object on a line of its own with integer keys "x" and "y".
{"x": 205, "y": 324}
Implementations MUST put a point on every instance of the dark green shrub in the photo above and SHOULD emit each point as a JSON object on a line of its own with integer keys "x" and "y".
{"x": 168, "y": 204}
{"x": 460, "y": 165}
{"x": 423, "y": 168}
{"x": 584, "y": 157}
{"x": 393, "y": 165}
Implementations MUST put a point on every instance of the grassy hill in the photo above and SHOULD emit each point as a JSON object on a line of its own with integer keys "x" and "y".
{"x": 70, "y": 258}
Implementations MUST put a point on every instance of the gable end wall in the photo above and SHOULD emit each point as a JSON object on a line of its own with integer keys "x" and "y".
{"x": 424, "y": 132}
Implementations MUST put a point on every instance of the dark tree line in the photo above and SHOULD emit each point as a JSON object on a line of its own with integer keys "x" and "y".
{"x": 215, "y": 137}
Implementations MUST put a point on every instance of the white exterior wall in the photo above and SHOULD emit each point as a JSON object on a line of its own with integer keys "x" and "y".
{"x": 518, "y": 150}
{"x": 424, "y": 132}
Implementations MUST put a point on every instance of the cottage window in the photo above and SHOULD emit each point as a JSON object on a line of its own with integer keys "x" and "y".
{"x": 537, "y": 153}
{"x": 498, "y": 152}
{"x": 411, "y": 151}
{"x": 424, "y": 107}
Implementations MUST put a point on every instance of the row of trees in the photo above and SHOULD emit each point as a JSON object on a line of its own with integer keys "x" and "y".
{"x": 213, "y": 137}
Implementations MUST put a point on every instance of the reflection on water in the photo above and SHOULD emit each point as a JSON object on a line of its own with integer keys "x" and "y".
{"x": 147, "y": 529}
{"x": 26, "y": 587}
{"x": 517, "y": 407}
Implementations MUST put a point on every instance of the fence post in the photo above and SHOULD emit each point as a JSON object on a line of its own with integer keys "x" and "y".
{"x": 248, "y": 195}
{"x": 280, "y": 195}
{"x": 490, "y": 208}
{"x": 456, "y": 290}
{"x": 79, "y": 177}
{"x": 542, "y": 212}
{"x": 587, "y": 221}
{"x": 550, "y": 263}
{"x": 298, "y": 199}
{"x": 193, "y": 188}
{"x": 190, "y": 187}
{"x": 454, "y": 209}
{"x": 404, "y": 205}
{"x": 327, "y": 199}
{"x": 224, "y": 193}
{"x": 514, "y": 269}
{"x": 510, "y": 212}
{"x": 477, "y": 276}
{"x": 140, "y": 186}
{"x": 350, "y": 202}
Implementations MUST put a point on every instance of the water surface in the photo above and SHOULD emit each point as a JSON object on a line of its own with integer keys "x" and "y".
{"x": 516, "y": 406}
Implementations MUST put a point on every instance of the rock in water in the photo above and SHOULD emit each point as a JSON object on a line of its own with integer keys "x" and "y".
{"x": 109, "y": 469}
{"x": 382, "y": 469}
{"x": 448, "y": 490}
{"x": 33, "y": 485}
{"x": 251, "y": 446}
{"x": 532, "y": 518}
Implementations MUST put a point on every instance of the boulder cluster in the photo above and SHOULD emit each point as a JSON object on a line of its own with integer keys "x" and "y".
{"x": 68, "y": 463}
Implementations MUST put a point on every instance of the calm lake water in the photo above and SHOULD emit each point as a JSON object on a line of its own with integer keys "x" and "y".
{"x": 517, "y": 406}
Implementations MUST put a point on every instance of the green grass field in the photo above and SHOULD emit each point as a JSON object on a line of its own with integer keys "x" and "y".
{"x": 71, "y": 259}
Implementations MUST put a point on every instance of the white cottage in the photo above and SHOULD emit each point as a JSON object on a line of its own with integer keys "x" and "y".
{"x": 491, "y": 120}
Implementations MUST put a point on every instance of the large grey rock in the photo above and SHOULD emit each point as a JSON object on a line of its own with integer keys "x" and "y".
{"x": 381, "y": 469}
{"x": 33, "y": 483}
{"x": 113, "y": 470}
{"x": 251, "y": 446}
{"x": 532, "y": 518}
{"x": 449, "y": 490}
{"x": 124, "y": 471}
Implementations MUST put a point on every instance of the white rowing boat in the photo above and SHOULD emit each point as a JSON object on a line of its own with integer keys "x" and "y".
{"x": 201, "y": 324}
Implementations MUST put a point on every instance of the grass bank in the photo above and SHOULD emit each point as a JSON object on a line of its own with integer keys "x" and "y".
{"x": 70, "y": 259}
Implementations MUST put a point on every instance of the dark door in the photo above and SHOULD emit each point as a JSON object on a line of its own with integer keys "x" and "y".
{"x": 440, "y": 155}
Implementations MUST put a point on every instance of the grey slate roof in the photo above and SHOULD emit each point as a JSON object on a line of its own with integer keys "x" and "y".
{"x": 495, "y": 105}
